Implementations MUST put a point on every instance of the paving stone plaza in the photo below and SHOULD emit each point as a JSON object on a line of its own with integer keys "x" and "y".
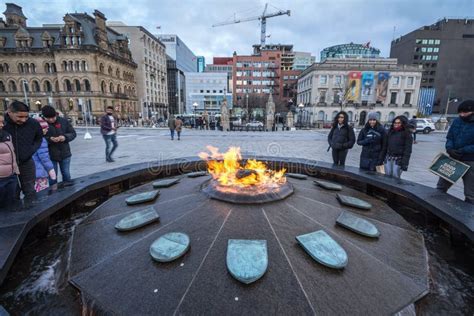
{"x": 142, "y": 145}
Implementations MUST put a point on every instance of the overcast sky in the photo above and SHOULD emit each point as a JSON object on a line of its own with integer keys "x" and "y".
{"x": 312, "y": 26}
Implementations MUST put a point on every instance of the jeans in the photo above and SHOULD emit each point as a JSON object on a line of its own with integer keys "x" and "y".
{"x": 27, "y": 178}
{"x": 64, "y": 165}
{"x": 172, "y": 133}
{"x": 110, "y": 141}
{"x": 8, "y": 190}
{"x": 339, "y": 156}
{"x": 468, "y": 180}
{"x": 179, "y": 134}
{"x": 392, "y": 169}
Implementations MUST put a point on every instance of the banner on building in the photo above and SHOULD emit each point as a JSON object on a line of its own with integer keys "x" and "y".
{"x": 382, "y": 86}
{"x": 447, "y": 168}
{"x": 426, "y": 100}
{"x": 368, "y": 93}
{"x": 353, "y": 86}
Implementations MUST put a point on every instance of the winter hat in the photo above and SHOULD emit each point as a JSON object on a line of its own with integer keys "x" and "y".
{"x": 48, "y": 111}
{"x": 43, "y": 123}
{"x": 466, "y": 106}
{"x": 373, "y": 116}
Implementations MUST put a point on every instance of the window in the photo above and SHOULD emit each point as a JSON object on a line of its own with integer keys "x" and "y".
{"x": 423, "y": 49}
{"x": 424, "y": 41}
{"x": 322, "y": 96}
{"x": 430, "y": 42}
{"x": 429, "y": 49}
{"x": 87, "y": 85}
{"x": 410, "y": 81}
{"x": 393, "y": 98}
{"x": 407, "y": 98}
{"x": 418, "y": 41}
{"x": 2, "y": 86}
{"x": 437, "y": 42}
{"x": 12, "y": 86}
{"x": 428, "y": 57}
{"x": 323, "y": 79}
{"x": 68, "y": 85}
{"x": 338, "y": 80}
{"x": 396, "y": 80}
{"x": 435, "y": 57}
{"x": 337, "y": 96}
{"x": 36, "y": 86}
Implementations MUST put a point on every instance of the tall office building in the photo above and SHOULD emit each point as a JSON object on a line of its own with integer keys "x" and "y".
{"x": 445, "y": 50}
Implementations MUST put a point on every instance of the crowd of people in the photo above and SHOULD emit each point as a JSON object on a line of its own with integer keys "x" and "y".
{"x": 389, "y": 151}
{"x": 33, "y": 151}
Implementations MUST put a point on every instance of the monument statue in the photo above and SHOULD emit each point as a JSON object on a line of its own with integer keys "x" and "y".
{"x": 290, "y": 120}
{"x": 225, "y": 116}
{"x": 270, "y": 109}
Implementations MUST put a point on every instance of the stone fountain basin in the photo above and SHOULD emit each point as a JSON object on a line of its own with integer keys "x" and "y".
{"x": 115, "y": 273}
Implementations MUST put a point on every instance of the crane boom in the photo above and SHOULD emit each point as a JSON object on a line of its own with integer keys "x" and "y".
{"x": 263, "y": 18}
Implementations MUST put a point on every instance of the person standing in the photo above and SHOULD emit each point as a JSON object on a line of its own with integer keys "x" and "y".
{"x": 172, "y": 125}
{"x": 460, "y": 146}
{"x": 8, "y": 168}
{"x": 397, "y": 147}
{"x": 341, "y": 138}
{"x": 26, "y": 138}
{"x": 108, "y": 129}
{"x": 178, "y": 127}
{"x": 412, "y": 124}
{"x": 43, "y": 164}
{"x": 371, "y": 139}
{"x": 60, "y": 134}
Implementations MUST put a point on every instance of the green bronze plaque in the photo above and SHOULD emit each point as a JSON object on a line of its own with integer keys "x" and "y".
{"x": 137, "y": 219}
{"x": 247, "y": 260}
{"x": 169, "y": 247}
{"x": 298, "y": 176}
{"x": 142, "y": 197}
{"x": 354, "y": 202}
{"x": 322, "y": 248}
{"x": 328, "y": 185}
{"x": 197, "y": 174}
{"x": 357, "y": 224}
{"x": 165, "y": 183}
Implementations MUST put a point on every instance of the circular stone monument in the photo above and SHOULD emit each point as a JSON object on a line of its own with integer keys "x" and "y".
{"x": 115, "y": 272}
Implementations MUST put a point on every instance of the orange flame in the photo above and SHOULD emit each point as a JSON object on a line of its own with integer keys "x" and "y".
{"x": 226, "y": 167}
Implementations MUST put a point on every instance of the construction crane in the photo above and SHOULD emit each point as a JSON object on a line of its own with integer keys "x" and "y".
{"x": 263, "y": 18}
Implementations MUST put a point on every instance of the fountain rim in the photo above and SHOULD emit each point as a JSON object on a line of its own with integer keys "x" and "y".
{"x": 18, "y": 221}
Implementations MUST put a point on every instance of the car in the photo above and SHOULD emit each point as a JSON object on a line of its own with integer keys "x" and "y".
{"x": 424, "y": 125}
{"x": 254, "y": 124}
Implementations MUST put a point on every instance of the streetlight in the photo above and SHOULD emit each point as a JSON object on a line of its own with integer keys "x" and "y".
{"x": 195, "y": 105}
{"x": 300, "y": 116}
{"x": 248, "y": 114}
{"x": 25, "y": 86}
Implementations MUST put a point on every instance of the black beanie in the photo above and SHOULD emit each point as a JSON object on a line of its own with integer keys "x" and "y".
{"x": 48, "y": 111}
{"x": 466, "y": 106}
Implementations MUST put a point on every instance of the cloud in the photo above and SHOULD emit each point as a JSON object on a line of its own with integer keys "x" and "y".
{"x": 312, "y": 26}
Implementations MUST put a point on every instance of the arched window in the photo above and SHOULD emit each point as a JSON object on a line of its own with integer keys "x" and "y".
{"x": 110, "y": 71}
{"x": 35, "y": 86}
{"x": 111, "y": 87}
{"x": 87, "y": 85}
{"x": 20, "y": 68}
{"x": 334, "y": 113}
{"x": 6, "y": 68}
{"x": 53, "y": 68}
{"x": 77, "y": 84}
{"x": 101, "y": 68}
{"x": 56, "y": 86}
{"x": 119, "y": 88}
{"x": 2, "y": 86}
{"x": 84, "y": 65}
{"x": 12, "y": 86}
{"x": 117, "y": 73}
{"x": 77, "y": 66}
{"x": 70, "y": 65}
{"x": 47, "y": 86}
{"x": 103, "y": 87}
{"x": 47, "y": 68}
{"x": 391, "y": 116}
{"x": 406, "y": 114}
{"x": 32, "y": 68}
{"x": 350, "y": 115}
{"x": 26, "y": 67}
{"x": 379, "y": 116}
{"x": 67, "y": 85}
{"x": 321, "y": 116}
{"x": 64, "y": 65}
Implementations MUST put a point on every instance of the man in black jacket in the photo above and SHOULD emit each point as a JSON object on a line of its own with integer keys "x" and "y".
{"x": 27, "y": 136}
{"x": 60, "y": 133}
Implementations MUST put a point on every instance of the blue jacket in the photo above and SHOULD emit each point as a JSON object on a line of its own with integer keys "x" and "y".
{"x": 42, "y": 161}
{"x": 461, "y": 137}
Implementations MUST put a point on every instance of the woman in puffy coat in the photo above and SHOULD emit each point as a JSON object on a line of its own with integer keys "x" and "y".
{"x": 371, "y": 139}
{"x": 397, "y": 147}
{"x": 8, "y": 168}
{"x": 44, "y": 165}
{"x": 341, "y": 138}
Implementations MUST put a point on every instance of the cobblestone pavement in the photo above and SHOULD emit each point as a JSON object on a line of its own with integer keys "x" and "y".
{"x": 141, "y": 145}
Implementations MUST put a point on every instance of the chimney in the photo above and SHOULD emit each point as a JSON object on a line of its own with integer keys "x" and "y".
{"x": 100, "y": 20}
{"x": 101, "y": 32}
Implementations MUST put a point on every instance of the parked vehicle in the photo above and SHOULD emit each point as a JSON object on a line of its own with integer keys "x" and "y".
{"x": 254, "y": 124}
{"x": 424, "y": 125}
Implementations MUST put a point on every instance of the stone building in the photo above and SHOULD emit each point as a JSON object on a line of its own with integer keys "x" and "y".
{"x": 151, "y": 75}
{"x": 358, "y": 86}
{"x": 80, "y": 66}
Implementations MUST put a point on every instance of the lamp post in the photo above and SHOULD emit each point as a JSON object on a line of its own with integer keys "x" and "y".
{"x": 25, "y": 86}
{"x": 195, "y": 105}
{"x": 38, "y": 105}
{"x": 247, "y": 100}
{"x": 300, "y": 116}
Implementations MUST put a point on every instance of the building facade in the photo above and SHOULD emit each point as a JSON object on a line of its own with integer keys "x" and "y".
{"x": 176, "y": 87}
{"x": 222, "y": 65}
{"x": 375, "y": 85}
{"x": 445, "y": 50}
{"x": 302, "y": 60}
{"x": 176, "y": 49}
{"x": 151, "y": 74}
{"x": 201, "y": 63}
{"x": 80, "y": 67}
{"x": 205, "y": 92}
{"x": 350, "y": 50}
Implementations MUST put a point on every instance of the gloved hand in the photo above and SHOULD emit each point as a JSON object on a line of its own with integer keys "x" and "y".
{"x": 336, "y": 146}
{"x": 404, "y": 168}
{"x": 455, "y": 153}
{"x": 52, "y": 174}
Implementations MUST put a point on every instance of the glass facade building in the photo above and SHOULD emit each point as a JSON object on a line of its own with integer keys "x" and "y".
{"x": 350, "y": 50}
{"x": 208, "y": 91}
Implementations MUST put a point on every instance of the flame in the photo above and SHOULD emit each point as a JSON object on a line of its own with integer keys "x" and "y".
{"x": 226, "y": 168}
